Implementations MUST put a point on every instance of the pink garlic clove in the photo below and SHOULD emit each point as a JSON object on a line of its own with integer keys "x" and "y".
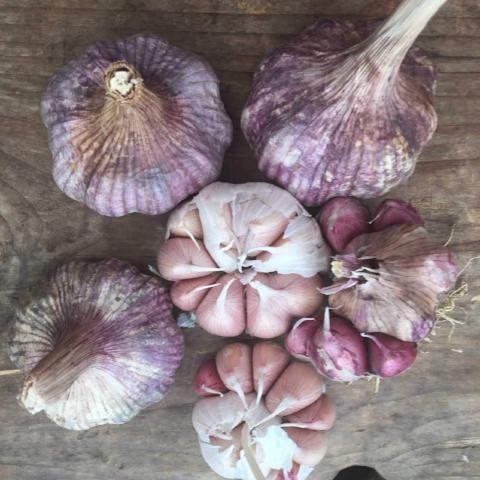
{"x": 302, "y": 332}
{"x": 312, "y": 445}
{"x": 320, "y": 415}
{"x": 207, "y": 381}
{"x": 187, "y": 294}
{"x": 342, "y": 219}
{"x": 181, "y": 258}
{"x": 338, "y": 351}
{"x": 395, "y": 212}
{"x": 234, "y": 365}
{"x": 222, "y": 311}
{"x": 389, "y": 356}
{"x": 274, "y": 301}
{"x": 298, "y": 386}
{"x": 268, "y": 360}
{"x": 185, "y": 222}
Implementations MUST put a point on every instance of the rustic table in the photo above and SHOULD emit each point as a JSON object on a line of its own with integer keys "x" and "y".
{"x": 423, "y": 425}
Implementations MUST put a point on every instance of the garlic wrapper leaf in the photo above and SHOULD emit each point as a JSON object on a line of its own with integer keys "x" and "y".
{"x": 346, "y": 107}
{"x": 100, "y": 345}
{"x": 244, "y": 257}
{"x": 135, "y": 125}
{"x": 390, "y": 280}
{"x": 268, "y": 423}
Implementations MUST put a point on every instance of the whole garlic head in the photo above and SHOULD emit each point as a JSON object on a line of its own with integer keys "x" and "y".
{"x": 135, "y": 125}
{"x": 269, "y": 420}
{"x": 100, "y": 345}
{"x": 244, "y": 256}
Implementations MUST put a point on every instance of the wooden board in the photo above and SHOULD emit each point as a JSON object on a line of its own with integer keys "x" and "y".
{"x": 423, "y": 425}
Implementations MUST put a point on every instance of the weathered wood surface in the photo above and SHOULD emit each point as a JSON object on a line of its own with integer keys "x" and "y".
{"x": 424, "y": 425}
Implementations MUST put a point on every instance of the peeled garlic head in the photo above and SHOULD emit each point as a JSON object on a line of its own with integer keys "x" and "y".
{"x": 244, "y": 257}
{"x": 270, "y": 431}
{"x": 99, "y": 346}
{"x": 346, "y": 107}
{"x": 135, "y": 125}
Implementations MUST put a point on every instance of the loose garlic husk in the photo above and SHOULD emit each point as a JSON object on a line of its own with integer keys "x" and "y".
{"x": 98, "y": 347}
{"x": 268, "y": 421}
{"x": 244, "y": 257}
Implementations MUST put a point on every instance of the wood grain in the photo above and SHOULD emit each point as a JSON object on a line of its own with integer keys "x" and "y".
{"x": 423, "y": 425}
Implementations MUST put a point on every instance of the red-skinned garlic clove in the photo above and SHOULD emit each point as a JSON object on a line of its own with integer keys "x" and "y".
{"x": 207, "y": 381}
{"x": 320, "y": 415}
{"x": 389, "y": 356}
{"x": 342, "y": 219}
{"x": 395, "y": 212}
{"x": 301, "y": 334}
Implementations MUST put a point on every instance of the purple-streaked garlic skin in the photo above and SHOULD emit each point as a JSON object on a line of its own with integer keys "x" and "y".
{"x": 244, "y": 258}
{"x": 342, "y": 219}
{"x": 388, "y": 356}
{"x": 100, "y": 345}
{"x": 283, "y": 393}
{"x": 325, "y": 118}
{"x": 395, "y": 212}
{"x": 142, "y": 151}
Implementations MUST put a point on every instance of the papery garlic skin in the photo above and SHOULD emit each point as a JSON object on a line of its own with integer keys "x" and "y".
{"x": 246, "y": 434}
{"x": 346, "y": 107}
{"x": 135, "y": 125}
{"x": 100, "y": 345}
{"x": 244, "y": 257}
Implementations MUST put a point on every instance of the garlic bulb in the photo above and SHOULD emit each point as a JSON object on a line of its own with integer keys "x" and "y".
{"x": 346, "y": 107}
{"x": 244, "y": 256}
{"x": 268, "y": 421}
{"x": 390, "y": 280}
{"x": 135, "y": 125}
{"x": 100, "y": 345}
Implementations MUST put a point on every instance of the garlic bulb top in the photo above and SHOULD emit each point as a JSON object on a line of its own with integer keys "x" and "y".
{"x": 98, "y": 347}
{"x": 346, "y": 107}
{"x": 135, "y": 125}
{"x": 244, "y": 256}
{"x": 268, "y": 421}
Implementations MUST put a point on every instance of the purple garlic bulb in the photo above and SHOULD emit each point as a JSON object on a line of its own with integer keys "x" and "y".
{"x": 135, "y": 125}
{"x": 346, "y": 107}
{"x": 388, "y": 281}
{"x": 100, "y": 345}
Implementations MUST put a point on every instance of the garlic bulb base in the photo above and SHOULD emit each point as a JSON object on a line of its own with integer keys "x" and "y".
{"x": 122, "y": 80}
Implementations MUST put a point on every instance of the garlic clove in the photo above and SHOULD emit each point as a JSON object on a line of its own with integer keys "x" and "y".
{"x": 320, "y": 415}
{"x": 98, "y": 347}
{"x": 312, "y": 445}
{"x": 187, "y": 294}
{"x": 297, "y": 339}
{"x": 338, "y": 351}
{"x": 298, "y": 386}
{"x": 180, "y": 258}
{"x": 234, "y": 365}
{"x": 298, "y": 472}
{"x": 395, "y": 212}
{"x": 268, "y": 361}
{"x": 222, "y": 311}
{"x": 342, "y": 219}
{"x": 185, "y": 222}
{"x": 273, "y": 302}
{"x": 389, "y": 356}
{"x": 207, "y": 381}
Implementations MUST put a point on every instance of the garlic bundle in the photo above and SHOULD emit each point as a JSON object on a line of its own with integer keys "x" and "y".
{"x": 388, "y": 280}
{"x": 244, "y": 256}
{"x": 135, "y": 125}
{"x": 263, "y": 417}
{"x": 346, "y": 107}
{"x": 100, "y": 345}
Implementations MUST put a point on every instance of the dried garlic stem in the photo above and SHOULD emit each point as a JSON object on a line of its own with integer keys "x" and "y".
{"x": 5, "y": 373}
{"x": 249, "y": 454}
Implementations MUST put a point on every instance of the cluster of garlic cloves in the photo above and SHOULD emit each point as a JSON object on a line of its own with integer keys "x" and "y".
{"x": 262, "y": 417}
{"x": 100, "y": 345}
{"x": 244, "y": 257}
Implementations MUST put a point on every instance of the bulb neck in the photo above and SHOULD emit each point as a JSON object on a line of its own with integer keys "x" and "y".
{"x": 122, "y": 81}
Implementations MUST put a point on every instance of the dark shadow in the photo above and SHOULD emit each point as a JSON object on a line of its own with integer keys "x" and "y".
{"x": 358, "y": 472}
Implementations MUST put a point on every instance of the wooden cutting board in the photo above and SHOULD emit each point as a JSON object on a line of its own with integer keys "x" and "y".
{"x": 424, "y": 425}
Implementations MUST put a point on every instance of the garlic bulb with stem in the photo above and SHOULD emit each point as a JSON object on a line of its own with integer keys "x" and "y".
{"x": 135, "y": 125}
{"x": 269, "y": 424}
{"x": 244, "y": 257}
{"x": 100, "y": 345}
{"x": 346, "y": 107}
